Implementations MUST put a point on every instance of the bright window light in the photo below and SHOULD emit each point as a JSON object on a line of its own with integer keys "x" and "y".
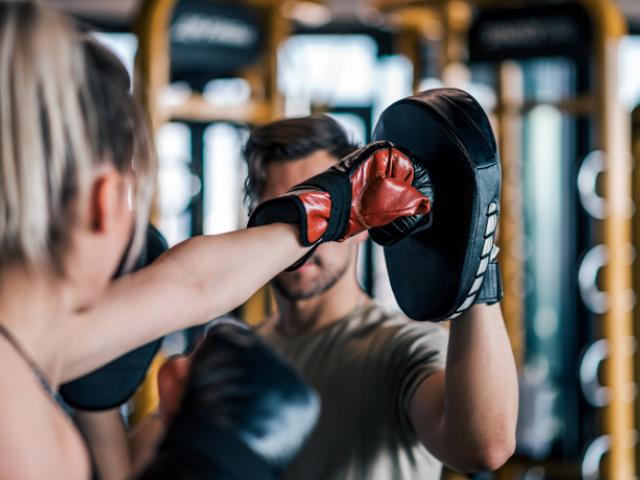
{"x": 123, "y": 45}
{"x": 629, "y": 78}
{"x": 328, "y": 69}
{"x": 177, "y": 184}
{"x": 224, "y": 176}
{"x": 353, "y": 125}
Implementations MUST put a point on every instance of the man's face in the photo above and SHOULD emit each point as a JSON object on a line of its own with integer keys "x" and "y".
{"x": 331, "y": 260}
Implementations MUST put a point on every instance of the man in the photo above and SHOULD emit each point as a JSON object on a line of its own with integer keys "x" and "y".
{"x": 398, "y": 397}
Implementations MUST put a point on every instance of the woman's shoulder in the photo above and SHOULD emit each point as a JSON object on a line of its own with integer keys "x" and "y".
{"x": 18, "y": 384}
{"x": 37, "y": 440}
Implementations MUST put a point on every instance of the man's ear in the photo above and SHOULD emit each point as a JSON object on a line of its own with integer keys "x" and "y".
{"x": 106, "y": 200}
{"x": 172, "y": 377}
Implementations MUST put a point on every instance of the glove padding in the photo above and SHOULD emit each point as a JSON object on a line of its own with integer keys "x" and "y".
{"x": 244, "y": 413}
{"x": 372, "y": 187}
{"x": 438, "y": 273}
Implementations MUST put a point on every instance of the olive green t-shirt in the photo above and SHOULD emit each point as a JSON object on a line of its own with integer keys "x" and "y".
{"x": 366, "y": 368}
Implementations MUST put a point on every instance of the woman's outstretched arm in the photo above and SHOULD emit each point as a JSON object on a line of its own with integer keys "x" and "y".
{"x": 194, "y": 282}
{"x": 205, "y": 277}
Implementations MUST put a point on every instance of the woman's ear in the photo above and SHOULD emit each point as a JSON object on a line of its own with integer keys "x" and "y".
{"x": 172, "y": 377}
{"x": 107, "y": 200}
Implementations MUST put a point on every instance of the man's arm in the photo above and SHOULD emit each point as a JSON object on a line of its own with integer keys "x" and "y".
{"x": 144, "y": 440}
{"x": 202, "y": 278}
{"x": 467, "y": 416}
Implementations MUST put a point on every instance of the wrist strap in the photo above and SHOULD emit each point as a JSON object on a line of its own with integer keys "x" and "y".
{"x": 338, "y": 186}
{"x": 491, "y": 291}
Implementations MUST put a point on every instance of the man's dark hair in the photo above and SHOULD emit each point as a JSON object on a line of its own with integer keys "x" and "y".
{"x": 289, "y": 140}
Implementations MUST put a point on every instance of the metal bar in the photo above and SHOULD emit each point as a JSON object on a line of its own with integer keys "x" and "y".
{"x": 511, "y": 228}
{"x": 152, "y": 60}
{"x": 583, "y": 105}
{"x": 635, "y": 150}
{"x": 613, "y": 139}
{"x": 197, "y": 109}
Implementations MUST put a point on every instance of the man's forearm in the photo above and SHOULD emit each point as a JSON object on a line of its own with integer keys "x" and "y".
{"x": 106, "y": 437}
{"x": 144, "y": 440}
{"x": 466, "y": 415}
{"x": 481, "y": 385}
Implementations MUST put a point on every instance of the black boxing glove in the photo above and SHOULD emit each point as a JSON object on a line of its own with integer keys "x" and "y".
{"x": 244, "y": 413}
{"x": 374, "y": 186}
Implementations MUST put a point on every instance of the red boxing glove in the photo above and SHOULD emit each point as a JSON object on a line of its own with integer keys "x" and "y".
{"x": 372, "y": 187}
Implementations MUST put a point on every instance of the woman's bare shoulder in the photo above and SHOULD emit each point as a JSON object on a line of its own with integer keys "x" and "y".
{"x": 36, "y": 439}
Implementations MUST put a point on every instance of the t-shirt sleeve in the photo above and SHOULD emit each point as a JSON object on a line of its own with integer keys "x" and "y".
{"x": 417, "y": 349}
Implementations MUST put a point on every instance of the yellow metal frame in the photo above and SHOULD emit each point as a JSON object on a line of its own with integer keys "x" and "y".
{"x": 613, "y": 140}
{"x": 635, "y": 151}
{"x": 618, "y": 421}
{"x": 616, "y": 323}
{"x": 511, "y": 224}
{"x": 152, "y": 59}
{"x": 153, "y": 70}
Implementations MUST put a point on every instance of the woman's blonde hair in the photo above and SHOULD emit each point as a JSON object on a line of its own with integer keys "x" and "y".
{"x": 64, "y": 108}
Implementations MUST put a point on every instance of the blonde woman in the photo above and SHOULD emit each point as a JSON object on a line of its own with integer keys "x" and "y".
{"x": 76, "y": 170}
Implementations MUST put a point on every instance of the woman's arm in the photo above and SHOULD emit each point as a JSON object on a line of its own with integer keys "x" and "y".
{"x": 208, "y": 276}
{"x": 199, "y": 279}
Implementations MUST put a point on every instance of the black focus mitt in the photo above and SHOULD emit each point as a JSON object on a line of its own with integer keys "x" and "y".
{"x": 439, "y": 271}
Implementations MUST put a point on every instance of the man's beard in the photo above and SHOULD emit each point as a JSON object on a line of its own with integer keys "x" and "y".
{"x": 324, "y": 282}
